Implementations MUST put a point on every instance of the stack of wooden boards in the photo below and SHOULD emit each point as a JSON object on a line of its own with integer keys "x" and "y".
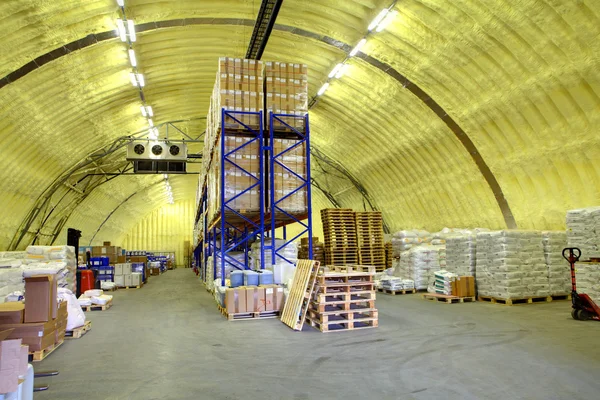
{"x": 318, "y": 251}
{"x": 389, "y": 255}
{"x": 369, "y": 233}
{"x": 353, "y": 237}
{"x": 343, "y": 299}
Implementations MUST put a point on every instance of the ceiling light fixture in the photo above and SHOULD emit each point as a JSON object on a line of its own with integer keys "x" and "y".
{"x": 121, "y": 3}
{"x": 137, "y": 80}
{"x": 378, "y": 19}
{"x": 388, "y": 19}
{"x": 150, "y": 122}
{"x": 121, "y": 30}
{"x": 152, "y": 134}
{"x": 358, "y": 47}
{"x": 342, "y": 71}
{"x": 131, "y": 30}
{"x": 323, "y": 89}
{"x": 146, "y": 111}
{"x": 335, "y": 70}
{"x": 132, "y": 58}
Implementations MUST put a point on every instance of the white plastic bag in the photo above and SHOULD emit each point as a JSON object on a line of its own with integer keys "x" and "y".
{"x": 76, "y": 316}
{"x": 93, "y": 292}
{"x": 101, "y": 300}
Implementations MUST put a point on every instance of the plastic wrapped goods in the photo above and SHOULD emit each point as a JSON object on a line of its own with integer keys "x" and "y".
{"x": 418, "y": 264}
{"x": 407, "y": 239}
{"x": 59, "y": 258}
{"x": 11, "y": 281}
{"x": 588, "y": 280}
{"x": 583, "y": 231}
{"x": 511, "y": 265}
{"x": 290, "y": 252}
{"x": 443, "y": 282}
{"x": 76, "y": 316}
{"x": 559, "y": 270}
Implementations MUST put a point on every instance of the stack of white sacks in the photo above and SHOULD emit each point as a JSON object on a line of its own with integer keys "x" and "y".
{"x": 405, "y": 240}
{"x": 583, "y": 231}
{"x": 442, "y": 283}
{"x": 511, "y": 264}
{"x": 559, "y": 270}
{"x": 52, "y": 260}
{"x": 94, "y": 297}
{"x": 212, "y": 280}
{"x": 419, "y": 264}
{"x": 460, "y": 252}
{"x": 588, "y": 280}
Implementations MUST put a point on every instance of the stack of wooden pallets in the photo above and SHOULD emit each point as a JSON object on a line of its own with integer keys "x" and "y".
{"x": 369, "y": 234}
{"x": 343, "y": 299}
{"x": 389, "y": 255}
{"x": 339, "y": 229}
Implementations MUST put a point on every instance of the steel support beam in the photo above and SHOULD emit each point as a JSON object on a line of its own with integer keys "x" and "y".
{"x": 265, "y": 21}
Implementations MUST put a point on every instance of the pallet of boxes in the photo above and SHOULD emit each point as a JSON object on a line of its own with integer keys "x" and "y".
{"x": 450, "y": 288}
{"x": 343, "y": 299}
{"x": 126, "y": 278}
{"x": 41, "y": 322}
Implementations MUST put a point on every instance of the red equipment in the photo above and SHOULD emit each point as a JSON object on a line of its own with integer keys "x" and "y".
{"x": 87, "y": 280}
{"x": 584, "y": 307}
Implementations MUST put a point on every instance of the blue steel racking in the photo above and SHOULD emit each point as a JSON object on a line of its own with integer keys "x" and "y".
{"x": 232, "y": 229}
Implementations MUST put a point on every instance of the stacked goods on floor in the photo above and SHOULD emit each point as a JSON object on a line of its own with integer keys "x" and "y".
{"x": 389, "y": 255}
{"x": 13, "y": 365}
{"x": 405, "y": 240}
{"x": 12, "y": 287}
{"x": 112, "y": 252}
{"x": 339, "y": 229}
{"x": 155, "y": 268}
{"x": 318, "y": 250}
{"x": 106, "y": 272}
{"x": 391, "y": 284}
{"x": 139, "y": 263}
{"x": 443, "y": 282}
{"x": 419, "y": 264}
{"x": 583, "y": 231}
{"x": 95, "y": 299}
{"x": 450, "y": 288}
{"x": 369, "y": 235}
{"x": 461, "y": 252}
{"x": 286, "y": 92}
{"x": 126, "y": 277}
{"x": 55, "y": 260}
{"x": 510, "y": 265}
{"x": 343, "y": 299}
{"x": 588, "y": 279}
{"x": 559, "y": 270}
{"x": 41, "y": 322}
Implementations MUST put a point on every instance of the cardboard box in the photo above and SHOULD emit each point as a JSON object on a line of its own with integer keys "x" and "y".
{"x": 136, "y": 279}
{"x": 464, "y": 286}
{"x": 255, "y": 299}
{"x": 127, "y": 280}
{"x": 10, "y": 349}
{"x": 235, "y": 300}
{"x": 40, "y": 343}
{"x": 40, "y": 304}
{"x": 37, "y": 336}
{"x": 121, "y": 259}
{"x": 125, "y": 269}
{"x": 119, "y": 280}
{"x": 119, "y": 269}
{"x": 105, "y": 244}
{"x": 23, "y": 360}
{"x": 62, "y": 310}
{"x": 11, "y": 313}
{"x": 269, "y": 294}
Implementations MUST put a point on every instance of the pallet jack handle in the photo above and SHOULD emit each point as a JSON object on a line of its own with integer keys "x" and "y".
{"x": 574, "y": 254}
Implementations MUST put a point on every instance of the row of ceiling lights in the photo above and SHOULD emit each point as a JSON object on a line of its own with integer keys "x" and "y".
{"x": 383, "y": 19}
{"x": 126, "y": 32}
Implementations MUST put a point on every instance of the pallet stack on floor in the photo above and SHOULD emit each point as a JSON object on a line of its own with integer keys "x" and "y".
{"x": 389, "y": 255}
{"x": 339, "y": 230}
{"x": 343, "y": 299}
{"x": 369, "y": 234}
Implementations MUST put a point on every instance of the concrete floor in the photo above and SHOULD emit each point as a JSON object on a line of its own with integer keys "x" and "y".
{"x": 168, "y": 341}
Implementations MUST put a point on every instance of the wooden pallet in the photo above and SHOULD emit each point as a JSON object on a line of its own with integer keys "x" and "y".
{"x": 361, "y": 304}
{"x": 97, "y": 307}
{"x": 333, "y": 321}
{"x": 341, "y": 296}
{"x": 442, "y": 298}
{"x": 353, "y": 268}
{"x": 560, "y": 297}
{"x": 395, "y": 292}
{"x": 130, "y": 287}
{"x": 42, "y": 354}
{"x": 296, "y": 305}
{"x": 79, "y": 332}
{"x": 516, "y": 301}
{"x": 248, "y": 315}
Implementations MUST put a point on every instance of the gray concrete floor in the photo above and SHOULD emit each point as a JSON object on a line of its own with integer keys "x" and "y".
{"x": 168, "y": 341}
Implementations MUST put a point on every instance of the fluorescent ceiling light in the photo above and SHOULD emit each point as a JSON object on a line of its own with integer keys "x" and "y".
{"x": 121, "y": 30}
{"x": 133, "y": 79}
{"x": 146, "y": 111}
{"x": 335, "y": 70}
{"x": 132, "y": 58}
{"x": 342, "y": 71}
{"x": 121, "y": 2}
{"x": 131, "y": 30}
{"x": 149, "y": 111}
{"x": 137, "y": 80}
{"x": 378, "y": 19}
{"x": 150, "y": 122}
{"x": 152, "y": 134}
{"x": 165, "y": 176}
{"x": 323, "y": 89}
{"x": 388, "y": 19}
{"x": 358, "y": 47}
{"x": 143, "y": 110}
{"x": 140, "y": 79}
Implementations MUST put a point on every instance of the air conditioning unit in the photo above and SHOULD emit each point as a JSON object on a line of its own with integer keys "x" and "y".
{"x": 156, "y": 150}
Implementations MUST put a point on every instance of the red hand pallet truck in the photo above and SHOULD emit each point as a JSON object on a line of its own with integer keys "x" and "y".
{"x": 584, "y": 307}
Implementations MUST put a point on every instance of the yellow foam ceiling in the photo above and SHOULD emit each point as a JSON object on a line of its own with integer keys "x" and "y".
{"x": 521, "y": 80}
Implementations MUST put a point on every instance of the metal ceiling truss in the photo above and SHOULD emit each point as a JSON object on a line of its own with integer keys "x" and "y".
{"x": 54, "y": 206}
{"x": 265, "y": 21}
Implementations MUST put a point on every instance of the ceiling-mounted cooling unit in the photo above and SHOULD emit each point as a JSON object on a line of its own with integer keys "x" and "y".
{"x": 156, "y": 150}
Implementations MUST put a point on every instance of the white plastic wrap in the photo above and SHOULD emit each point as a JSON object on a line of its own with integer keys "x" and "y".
{"x": 290, "y": 252}
{"x": 583, "y": 231}
{"x": 76, "y": 316}
{"x": 443, "y": 282}
{"x": 559, "y": 270}
{"x": 45, "y": 259}
{"x": 84, "y": 301}
{"x": 93, "y": 292}
{"x": 101, "y": 300}
{"x": 588, "y": 280}
{"x": 106, "y": 285}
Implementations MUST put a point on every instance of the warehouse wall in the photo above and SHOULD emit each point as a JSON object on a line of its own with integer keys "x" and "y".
{"x": 165, "y": 229}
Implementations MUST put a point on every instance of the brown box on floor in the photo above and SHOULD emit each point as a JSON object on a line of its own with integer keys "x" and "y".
{"x": 40, "y": 303}
{"x": 10, "y": 363}
{"x": 255, "y": 299}
{"x": 464, "y": 286}
{"x": 37, "y": 335}
{"x": 11, "y": 313}
{"x": 61, "y": 322}
{"x": 235, "y": 300}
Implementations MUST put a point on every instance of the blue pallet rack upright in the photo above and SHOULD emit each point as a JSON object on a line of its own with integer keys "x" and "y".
{"x": 296, "y": 127}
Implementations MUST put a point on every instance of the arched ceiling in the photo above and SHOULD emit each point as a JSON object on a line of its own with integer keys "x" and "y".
{"x": 519, "y": 78}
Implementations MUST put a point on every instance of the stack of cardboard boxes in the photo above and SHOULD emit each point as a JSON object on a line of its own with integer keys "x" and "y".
{"x": 249, "y": 299}
{"x": 463, "y": 286}
{"x": 41, "y": 322}
{"x": 112, "y": 252}
{"x": 286, "y": 92}
{"x": 13, "y": 362}
{"x": 124, "y": 277}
